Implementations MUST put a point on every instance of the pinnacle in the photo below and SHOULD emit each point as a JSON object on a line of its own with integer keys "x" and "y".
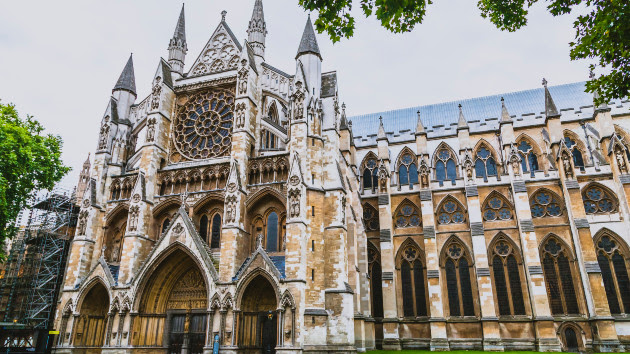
{"x": 419, "y": 125}
{"x": 550, "y": 105}
{"x": 308, "y": 44}
{"x": 505, "y": 115}
{"x": 180, "y": 29}
{"x": 127, "y": 79}
{"x": 462, "y": 123}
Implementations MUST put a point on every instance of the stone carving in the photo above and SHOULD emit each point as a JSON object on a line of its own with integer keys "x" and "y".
{"x": 294, "y": 203}
{"x": 230, "y": 210}
{"x": 259, "y": 240}
{"x": 102, "y": 142}
{"x": 515, "y": 161}
{"x": 424, "y": 174}
{"x": 156, "y": 93}
{"x": 298, "y": 101}
{"x": 621, "y": 162}
{"x": 115, "y": 253}
{"x": 220, "y": 54}
{"x": 382, "y": 178}
{"x": 566, "y": 163}
{"x": 82, "y": 221}
{"x": 243, "y": 75}
{"x": 136, "y": 198}
{"x": 240, "y": 115}
{"x": 151, "y": 130}
{"x": 134, "y": 213}
{"x": 178, "y": 229}
{"x": 343, "y": 209}
{"x": 468, "y": 165}
{"x": 232, "y": 187}
{"x": 86, "y": 203}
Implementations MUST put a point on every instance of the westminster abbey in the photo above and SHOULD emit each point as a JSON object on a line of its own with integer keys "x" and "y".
{"x": 237, "y": 207}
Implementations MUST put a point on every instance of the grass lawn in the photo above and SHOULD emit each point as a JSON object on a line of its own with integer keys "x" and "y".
{"x": 430, "y": 352}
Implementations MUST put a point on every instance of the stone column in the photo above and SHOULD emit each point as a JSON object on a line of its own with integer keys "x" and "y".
{"x": 108, "y": 333}
{"x": 121, "y": 323}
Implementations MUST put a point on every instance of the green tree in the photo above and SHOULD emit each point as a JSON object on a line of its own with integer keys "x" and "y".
{"x": 29, "y": 161}
{"x": 602, "y": 32}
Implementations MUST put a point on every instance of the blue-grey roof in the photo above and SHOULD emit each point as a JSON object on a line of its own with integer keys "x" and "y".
{"x": 308, "y": 44}
{"x": 127, "y": 79}
{"x": 482, "y": 113}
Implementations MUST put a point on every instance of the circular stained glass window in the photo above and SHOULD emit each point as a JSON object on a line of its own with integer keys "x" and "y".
{"x": 203, "y": 126}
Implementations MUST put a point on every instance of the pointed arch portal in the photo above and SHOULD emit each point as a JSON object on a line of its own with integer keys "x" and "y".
{"x": 259, "y": 322}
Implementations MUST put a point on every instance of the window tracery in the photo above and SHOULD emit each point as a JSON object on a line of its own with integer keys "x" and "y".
{"x": 407, "y": 169}
{"x": 497, "y": 209}
{"x": 457, "y": 266}
{"x": 269, "y": 231}
{"x": 203, "y": 126}
{"x": 210, "y": 229}
{"x": 407, "y": 215}
{"x": 578, "y": 158}
{"x": 507, "y": 278}
{"x": 413, "y": 281}
{"x": 485, "y": 164}
{"x": 370, "y": 218}
{"x": 545, "y": 204}
{"x": 612, "y": 257}
{"x": 445, "y": 167}
{"x": 370, "y": 173}
{"x": 529, "y": 160}
{"x": 598, "y": 200}
{"x": 451, "y": 212}
{"x": 558, "y": 273}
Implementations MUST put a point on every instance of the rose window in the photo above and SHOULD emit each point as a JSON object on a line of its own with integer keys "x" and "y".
{"x": 204, "y": 125}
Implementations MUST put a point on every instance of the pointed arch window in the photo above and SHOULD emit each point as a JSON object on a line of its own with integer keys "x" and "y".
{"x": 497, "y": 209}
{"x": 445, "y": 167}
{"x": 210, "y": 229}
{"x": 545, "y": 204}
{"x": 165, "y": 225}
{"x": 613, "y": 261}
{"x": 557, "y": 269}
{"x": 269, "y": 140}
{"x": 529, "y": 161}
{"x": 507, "y": 278}
{"x": 407, "y": 169}
{"x": 272, "y": 232}
{"x": 578, "y": 158}
{"x": 485, "y": 165}
{"x": 370, "y": 174}
{"x": 376, "y": 281}
{"x": 407, "y": 215}
{"x": 413, "y": 282}
{"x": 451, "y": 212}
{"x": 598, "y": 200}
{"x": 370, "y": 218}
{"x": 273, "y": 113}
{"x": 215, "y": 240}
{"x": 457, "y": 266}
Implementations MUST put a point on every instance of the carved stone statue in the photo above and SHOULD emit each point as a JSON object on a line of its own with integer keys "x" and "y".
{"x": 102, "y": 143}
{"x": 240, "y": 115}
{"x": 259, "y": 240}
{"x": 230, "y": 210}
{"x": 294, "y": 203}
{"x": 151, "y": 130}
{"x": 242, "y": 78}
{"x": 155, "y": 94}
{"x": 566, "y": 163}
{"x": 621, "y": 162}
{"x": 516, "y": 168}
{"x": 115, "y": 254}
{"x": 134, "y": 213}
{"x": 82, "y": 222}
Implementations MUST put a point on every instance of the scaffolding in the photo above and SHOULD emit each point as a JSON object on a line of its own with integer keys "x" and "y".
{"x": 34, "y": 271}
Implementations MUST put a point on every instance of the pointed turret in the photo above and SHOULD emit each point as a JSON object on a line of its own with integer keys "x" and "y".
{"x": 505, "y": 115}
{"x": 127, "y": 79}
{"x": 550, "y": 106}
{"x": 177, "y": 46}
{"x": 419, "y": 126}
{"x": 257, "y": 30}
{"x": 462, "y": 123}
{"x": 308, "y": 44}
{"x": 84, "y": 179}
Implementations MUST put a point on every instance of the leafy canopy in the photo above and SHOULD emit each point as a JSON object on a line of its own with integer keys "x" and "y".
{"x": 30, "y": 161}
{"x": 602, "y": 33}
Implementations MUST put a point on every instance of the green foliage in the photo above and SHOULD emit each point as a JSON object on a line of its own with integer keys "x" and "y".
{"x": 30, "y": 161}
{"x": 602, "y": 33}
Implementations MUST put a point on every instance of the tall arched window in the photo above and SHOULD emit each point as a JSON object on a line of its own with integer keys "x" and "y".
{"x": 407, "y": 169}
{"x": 370, "y": 173}
{"x": 451, "y": 212}
{"x": 272, "y": 232}
{"x": 273, "y": 113}
{"x": 556, "y": 262}
{"x": 598, "y": 200}
{"x": 578, "y": 159}
{"x": 445, "y": 167}
{"x": 370, "y": 218}
{"x": 612, "y": 256}
{"x": 203, "y": 228}
{"x": 496, "y": 208}
{"x": 545, "y": 204}
{"x": 376, "y": 281}
{"x": 407, "y": 215}
{"x": 507, "y": 278}
{"x": 485, "y": 165}
{"x": 268, "y": 140}
{"x": 413, "y": 280}
{"x": 457, "y": 264}
{"x": 216, "y": 231}
{"x": 529, "y": 161}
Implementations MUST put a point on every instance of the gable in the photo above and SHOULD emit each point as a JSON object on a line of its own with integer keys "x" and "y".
{"x": 221, "y": 53}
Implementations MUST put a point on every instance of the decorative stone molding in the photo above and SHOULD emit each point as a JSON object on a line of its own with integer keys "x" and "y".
{"x": 572, "y": 184}
{"x": 483, "y": 272}
{"x": 519, "y": 187}
{"x": 433, "y": 273}
{"x": 425, "y": 196}
{"x": 476, "y": 229}
{"x": 624, "y": 179}
{"x": 592, "y": 267}
{"x": 388, "y": 276}
{"x": 429, "y": 232}
{"x": 386, "y": 235}
{"x": 383, "y": 199}
{"x": 582, "y": 224}
{"x": 534, "y": 270}
{"x": 472, "y": 191}
{"x": 527, "y": 225}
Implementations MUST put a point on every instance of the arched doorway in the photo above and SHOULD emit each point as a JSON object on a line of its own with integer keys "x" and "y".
{"x": 259, "y": 322}
{"x": 173, "y": 307}
{"x": 92, "y": 321}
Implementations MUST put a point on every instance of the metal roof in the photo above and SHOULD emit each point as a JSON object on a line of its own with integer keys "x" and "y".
{"x": 308, "y": 44}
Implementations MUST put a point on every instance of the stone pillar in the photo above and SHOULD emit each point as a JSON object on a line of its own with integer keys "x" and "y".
{"x": 108, "y": 332}
{"x": 121, "y": 323}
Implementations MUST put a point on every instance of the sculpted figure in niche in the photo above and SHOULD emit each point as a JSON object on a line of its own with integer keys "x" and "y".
{"x": 294, "y": 201}
{"x": 566, "y": 163}
{"x": 242, "y": 77}
{"x": 157, "y": 90}
{"x": 102, "y": 143}
{"x": 621, "y": 162}
{"x": 115, "y": 256}
{"x": 240, "y": 115}
{"x": 382, "y": 180}
{"x": 230, "y": 210}
{"x": 259, "y": 240}
{"x": 82, "y": 222}
{"x": 133, "y": 218}
{"x": 151, "y": 130}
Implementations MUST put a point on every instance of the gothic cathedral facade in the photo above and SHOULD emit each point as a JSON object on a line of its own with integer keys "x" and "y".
{"x": 237, "y": 207}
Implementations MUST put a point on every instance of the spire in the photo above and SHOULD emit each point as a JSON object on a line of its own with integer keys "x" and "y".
{"x": 462, "y": 123}
{"x": 419, "y": 125}
{"x": 177, "y": 46}
{"x": 87, "y": 164}
{"x": 308, "y": 44}
{"x": 381, "y": 130}
{"x": 505, "y": 115}
{"x": 257, "y": 30}
{"x": 550, "y": 106}
{"x": 127, "y": 79}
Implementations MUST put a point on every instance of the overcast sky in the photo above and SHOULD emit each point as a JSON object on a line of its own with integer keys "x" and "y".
{"x": 60, "y": 59}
